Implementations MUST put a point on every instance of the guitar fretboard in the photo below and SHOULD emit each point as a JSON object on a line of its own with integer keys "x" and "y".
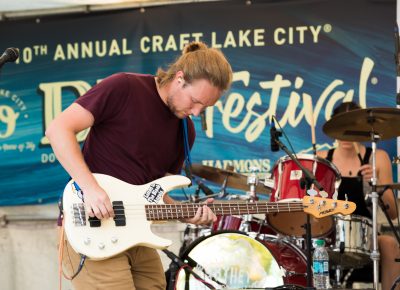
{"x": 156, "y": 212}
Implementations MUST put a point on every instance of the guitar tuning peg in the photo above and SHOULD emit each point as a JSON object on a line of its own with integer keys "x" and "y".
{"x": 335, "y": 195}
{"x": 312, "y": 192}
{"x": 323, "y": 193}
{"x": 345, "y": 197}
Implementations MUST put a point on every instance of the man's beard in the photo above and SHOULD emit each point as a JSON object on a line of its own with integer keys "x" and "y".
{"x": 172, "y": 107}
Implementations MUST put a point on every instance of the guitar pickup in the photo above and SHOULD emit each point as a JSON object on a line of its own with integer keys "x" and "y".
{"x": 119, "y": 211}
{"x": 94, "y": 222}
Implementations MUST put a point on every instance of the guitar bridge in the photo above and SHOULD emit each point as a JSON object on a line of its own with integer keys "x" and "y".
{"x": 79, "y": 214}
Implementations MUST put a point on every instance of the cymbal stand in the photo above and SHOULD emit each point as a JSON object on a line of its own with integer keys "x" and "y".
{"x": 222, "y": 192}
{"x": 375, "y": 256}
{"x": 252, "y": 181}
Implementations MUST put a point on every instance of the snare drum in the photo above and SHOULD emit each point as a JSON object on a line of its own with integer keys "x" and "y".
{"x": 287, "y": 187}
{"x": 232, "y": 260}
{"x": 351, "y": 244}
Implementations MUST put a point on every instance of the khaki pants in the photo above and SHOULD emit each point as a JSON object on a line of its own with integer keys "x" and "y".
{"x": 137, "y": 268}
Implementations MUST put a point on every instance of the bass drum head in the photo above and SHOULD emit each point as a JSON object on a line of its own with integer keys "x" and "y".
{"x": 232, "y": 259}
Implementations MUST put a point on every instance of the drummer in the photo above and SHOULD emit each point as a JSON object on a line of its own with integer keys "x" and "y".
{"x": 353, "y": 161}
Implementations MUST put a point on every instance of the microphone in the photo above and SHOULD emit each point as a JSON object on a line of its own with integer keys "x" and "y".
{"x": 203, "y": 121}
{"x": 274, "y": 135}
{"x": 204, "y": 188}
{"x": 11, "y": 54}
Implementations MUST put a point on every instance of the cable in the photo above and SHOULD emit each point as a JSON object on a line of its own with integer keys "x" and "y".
{"x": 397, "y": 281}
{"x": 397, "y": 208}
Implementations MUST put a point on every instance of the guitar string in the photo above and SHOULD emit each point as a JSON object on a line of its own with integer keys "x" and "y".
{"x": 157, "y": 215}
{"x": 172, "y": 211}
{"x": 279, "y": 204}
{"x": 228, "y": 210}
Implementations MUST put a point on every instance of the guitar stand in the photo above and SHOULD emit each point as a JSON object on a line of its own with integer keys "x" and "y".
{"x": 177, "y": 264}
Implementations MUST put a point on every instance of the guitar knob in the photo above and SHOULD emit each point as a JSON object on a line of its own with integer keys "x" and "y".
{"x": 114, "y": 240}
{"x": 101, "y": 246}
{"x": 86, "y": 241}
{"x": 334, "y": 204}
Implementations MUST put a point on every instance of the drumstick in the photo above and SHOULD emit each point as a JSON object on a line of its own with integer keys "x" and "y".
{"x": 312, "y": 125}
{"x": 358, "y": 152}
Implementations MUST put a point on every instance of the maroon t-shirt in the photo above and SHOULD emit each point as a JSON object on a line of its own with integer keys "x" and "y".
{"x": 135, "y": 136}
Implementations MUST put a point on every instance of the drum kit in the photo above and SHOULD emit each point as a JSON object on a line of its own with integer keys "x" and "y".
{"x": 262, "y": 252}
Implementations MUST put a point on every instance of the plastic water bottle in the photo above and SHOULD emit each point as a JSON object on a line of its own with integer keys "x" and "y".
{"x": 321, "y": 266}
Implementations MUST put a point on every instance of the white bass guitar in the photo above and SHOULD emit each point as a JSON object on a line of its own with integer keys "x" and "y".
{"x": 137, "y": 206}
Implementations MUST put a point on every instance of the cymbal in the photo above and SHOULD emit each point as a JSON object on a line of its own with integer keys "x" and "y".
{"x": 235, "y": 180}
{"x": 392, "y": 186}
{"x": 357, "y": 125}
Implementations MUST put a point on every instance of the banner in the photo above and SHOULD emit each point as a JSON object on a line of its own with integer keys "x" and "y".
{"x": 291, "y": 59}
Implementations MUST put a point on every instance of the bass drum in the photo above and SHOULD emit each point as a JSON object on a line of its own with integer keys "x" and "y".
{"x": 229, "y": 260}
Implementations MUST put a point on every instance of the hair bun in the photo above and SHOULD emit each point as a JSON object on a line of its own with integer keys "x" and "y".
{"x": 193, "y": 46}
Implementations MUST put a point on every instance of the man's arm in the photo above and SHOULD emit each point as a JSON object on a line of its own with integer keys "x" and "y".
{"x": 62, "y": 135}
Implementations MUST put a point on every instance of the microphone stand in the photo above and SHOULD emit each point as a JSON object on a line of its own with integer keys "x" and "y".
{"x": 309, "y": 177}
{"x": 179, "y": 264}
{"x": 309, "y": 180}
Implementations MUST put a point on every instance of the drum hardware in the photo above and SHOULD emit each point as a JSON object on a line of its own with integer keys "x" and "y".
{"x": 223, "y": 193}
{"x": 179, "y": 264}
{"x": 362, "y": 125}
{"x": 338, "y": 274}
{"x": 233, "y": 179}
{"x": 237, "y": 197}
{"x": 268, "y": 182}
{"x": 195, "y": 198}
{"x": 252, "y": 181}
{"x": 383, "y": 188}
{"x": 208, "y": 192}
{"x": 245, "y": 225}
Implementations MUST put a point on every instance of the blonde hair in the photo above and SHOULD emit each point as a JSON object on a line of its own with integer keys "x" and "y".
{"x": 198, "y": 61}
